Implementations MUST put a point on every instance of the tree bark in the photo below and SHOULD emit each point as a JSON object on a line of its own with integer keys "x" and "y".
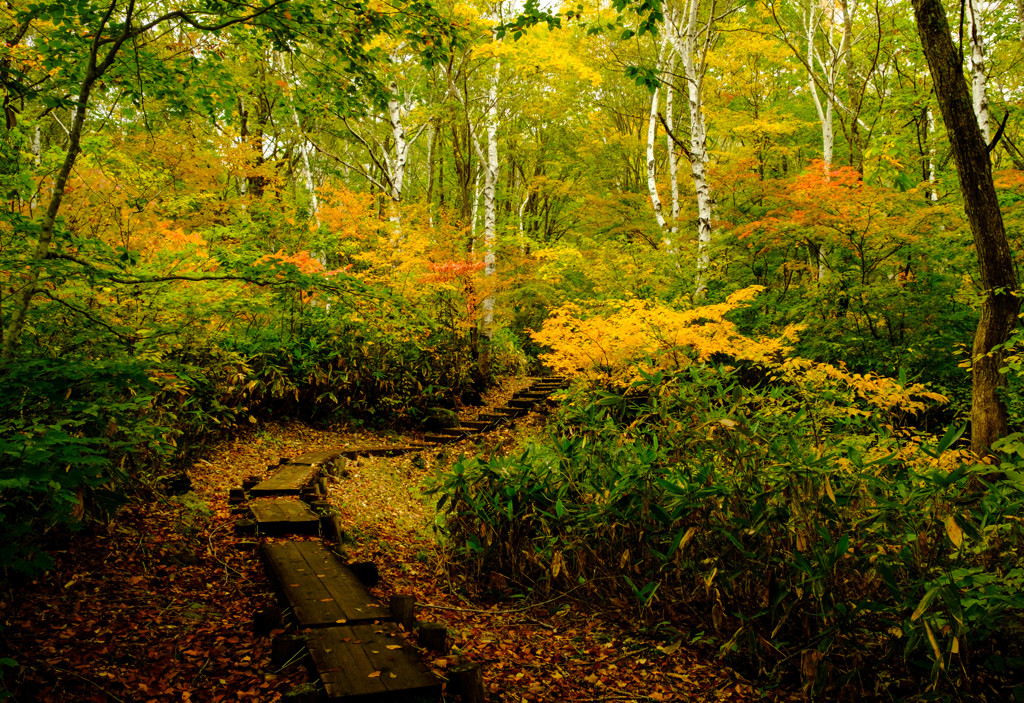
{"x": 1000, "y": 306}
{"x": 979, "y": 81}
{"x": 684, "y": 39}
{"x": 855, "y": 97}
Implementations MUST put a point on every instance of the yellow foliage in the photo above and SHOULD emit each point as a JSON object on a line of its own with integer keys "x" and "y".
{"x": 614, "y": 339}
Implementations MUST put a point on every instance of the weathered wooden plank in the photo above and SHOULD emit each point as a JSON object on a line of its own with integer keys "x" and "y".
{"x": 319, "y": 588}
{"x": 314, "y": 458}
{"x": 343, "y": 585}
{"x": 441, "y": 438}
{"x": 494, "y": 417}
{"x": 451, "y": 432}
{"x": 474, "y": 425}
{"x": 288, "y": 479}
{"x": 284, "y": 516}
{"x": 369, "y": 664}
{"x": 311, "y": 602}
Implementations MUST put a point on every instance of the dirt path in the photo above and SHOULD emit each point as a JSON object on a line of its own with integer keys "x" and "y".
{"x": 157, "y": 605}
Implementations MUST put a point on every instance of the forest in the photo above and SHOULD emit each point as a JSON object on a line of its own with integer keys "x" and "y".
{"x": 772, "y": 245}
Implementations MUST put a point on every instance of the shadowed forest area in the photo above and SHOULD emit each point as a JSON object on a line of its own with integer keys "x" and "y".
{"x": 771, "y": 247}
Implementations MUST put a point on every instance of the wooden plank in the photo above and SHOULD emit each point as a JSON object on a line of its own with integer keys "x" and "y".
{"x": 451, "y": 431}
{"x": 440, "y": 438}
{"x": 319, "y": 588}
{"x": 314, "y": 458}
{"x": 311, "y": 602}
{"x": 284, "y": 516}
{"x": 370, "y": 664}
{"x": 289, "y": 479}
{"x": 346, "y": 589}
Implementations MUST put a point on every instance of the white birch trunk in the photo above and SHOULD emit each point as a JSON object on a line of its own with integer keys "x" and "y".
{"x": 490, "y": 201}
{"x": 652, "y": 134}
{"x": 652, "y": 181}
{"x": 37, "y": 157}
{"x": 476, "y": 209}
{"x": 673, "y": 161}
{"x": 685, "y": 41}
{"x": 933, "y": 193}
{"x": 397, "y": 166}
{"x": 979, "y": 81}
{"x": 825, "y": 112}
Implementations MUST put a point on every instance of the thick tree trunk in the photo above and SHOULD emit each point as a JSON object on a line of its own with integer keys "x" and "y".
{"x": 1000, "y": 307}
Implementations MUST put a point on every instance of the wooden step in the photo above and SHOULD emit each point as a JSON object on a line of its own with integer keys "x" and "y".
{"x": 320, "y": 590}
{"x": 451, "y": 431}
{"x": 475, "y": 425}
{"x": 441, "y": 438}
{"x": 369, "y": 663}
{"x": 277, "y": 517}
{"x": 530, "y": 395}
{"x": 495, "y": 416}
{"x": 287, "y": 480}
{"x": 522, "y": 403}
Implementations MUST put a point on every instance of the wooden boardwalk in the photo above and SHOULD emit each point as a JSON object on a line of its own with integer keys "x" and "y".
{"x": 279, "y": 517}
{"x": 288, "y": 480}
{"x": 320, "y": 590}
{"x": 369, "y": 663}
{"x": 352, "y": 639}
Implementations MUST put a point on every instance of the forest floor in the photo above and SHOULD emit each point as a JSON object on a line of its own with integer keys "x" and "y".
{"x": 157, "y": 604}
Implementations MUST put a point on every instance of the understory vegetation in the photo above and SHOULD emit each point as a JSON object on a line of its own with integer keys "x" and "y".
{"x": 790, "y": 512}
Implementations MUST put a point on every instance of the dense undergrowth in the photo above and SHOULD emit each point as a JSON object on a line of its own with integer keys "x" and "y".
{"x": 87, "y": 425}
{"x": 790, "y": 511}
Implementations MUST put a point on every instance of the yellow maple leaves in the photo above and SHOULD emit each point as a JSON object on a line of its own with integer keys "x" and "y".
{"x": 619, "y": 341}
{"x": 614, "y": 339}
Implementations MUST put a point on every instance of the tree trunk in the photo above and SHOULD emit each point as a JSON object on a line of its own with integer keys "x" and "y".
{"x": 652, "y": 181}
{"x": 673, "y": 161}
{"x": 397, "y": 167}
{"x": 1000, "y": 307}
{"x": 490, "y": 200}
{"x": 685, "y": 42}
{"x": 979, "y": 81}
{"x": 855, "y": 97}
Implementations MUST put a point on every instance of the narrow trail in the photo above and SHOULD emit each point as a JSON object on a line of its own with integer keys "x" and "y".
{"x": 158, "y": 605}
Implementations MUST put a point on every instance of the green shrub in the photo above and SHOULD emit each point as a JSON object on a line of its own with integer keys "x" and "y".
{"x": 811, "y": 534}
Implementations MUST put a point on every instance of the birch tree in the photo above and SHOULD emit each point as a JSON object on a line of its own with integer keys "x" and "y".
{"x": 979, "y": 79}
{"x": 692, "y": 41}
{"x": 652, "y": 133}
